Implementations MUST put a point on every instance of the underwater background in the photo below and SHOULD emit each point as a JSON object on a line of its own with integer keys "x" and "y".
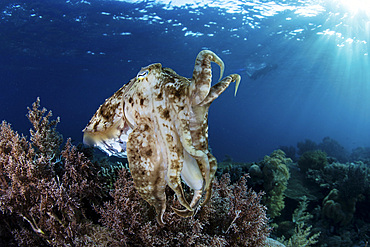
{"x": 305, "y": 89}
{"x": 304, "y": 64}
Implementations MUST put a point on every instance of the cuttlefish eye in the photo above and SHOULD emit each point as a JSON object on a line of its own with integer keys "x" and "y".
{"x": 142, "y": 74}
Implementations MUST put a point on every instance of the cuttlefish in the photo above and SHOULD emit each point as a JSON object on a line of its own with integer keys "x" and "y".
{"x": 159, "y": 121}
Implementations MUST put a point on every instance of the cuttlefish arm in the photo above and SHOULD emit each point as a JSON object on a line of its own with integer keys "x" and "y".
{"x": 195, "y": 133}
{"x": 216, "y": 91}
{"x": 202, "y": 75}
{"x": 147, "y": 167}
{"x": 219, "y": 88}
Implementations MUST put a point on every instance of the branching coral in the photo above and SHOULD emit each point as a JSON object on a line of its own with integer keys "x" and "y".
{"x": 234, "y": 217}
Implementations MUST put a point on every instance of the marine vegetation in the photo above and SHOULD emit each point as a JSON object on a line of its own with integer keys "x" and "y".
{"x": 302, "y": 235}
{"x": 337, "y": 197}
{"x": 234, "y": 217}
{"x": 343, "y": 184}
{"x": 270, "y": 175}
{"x": 52, "y": 200}
{"x": 361, "y": 154}
{"x": 276, "y": 175}
{"x": 328, "y": 145}
{"x": 312, "y": 160}
{"x": 44, "y": 197}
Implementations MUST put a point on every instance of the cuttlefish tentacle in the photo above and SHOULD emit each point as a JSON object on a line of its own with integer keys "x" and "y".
{"x": 172, "y": 149}
{"x": 183, "y": 212}
{"x": 145, "y": 166}
{"x": 194, "y": 203}
{"x": 202, "y": 75}
{"x": 213, "y": 169}
{"x": 214, "y": 92}
{"x": 193, "y": 177}
{"x": 175, "y": 165}
{"x": 200, "y": 156}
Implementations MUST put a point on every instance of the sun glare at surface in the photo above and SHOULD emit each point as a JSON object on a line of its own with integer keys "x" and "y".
{"x": 355, "y": 6}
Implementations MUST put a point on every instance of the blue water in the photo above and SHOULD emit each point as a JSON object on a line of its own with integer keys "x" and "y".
{"x": 304, "y": 64}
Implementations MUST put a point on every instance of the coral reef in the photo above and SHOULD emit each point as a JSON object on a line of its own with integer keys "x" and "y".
{"x": 338, "y": 191}
{"x": 328, "y": 145}
{"x": 276, "y": 176}
{"x": 290, "y": 152}
{"x": 337, "y": 208}
{"x": 356, "y": 180}
{"x": 43, "y": 194}
{"x": 361, "y": 154}
{"x": 333, "y": 149}
{"x": 57, "y": 197}
{"x": 132, "y": 221}
{"x": 314, "y": 160}
{"x": 307, "y": 145}
{"x": 340, "y": 204}
{"x": 343, "y": 184}
{"x": 339, "y": 194}
{"x": 302, "y": 235}
{"x": 270, "y": 175}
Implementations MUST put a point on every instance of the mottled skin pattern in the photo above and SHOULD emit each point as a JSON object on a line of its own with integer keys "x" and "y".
{"x": 163, "y": 119}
